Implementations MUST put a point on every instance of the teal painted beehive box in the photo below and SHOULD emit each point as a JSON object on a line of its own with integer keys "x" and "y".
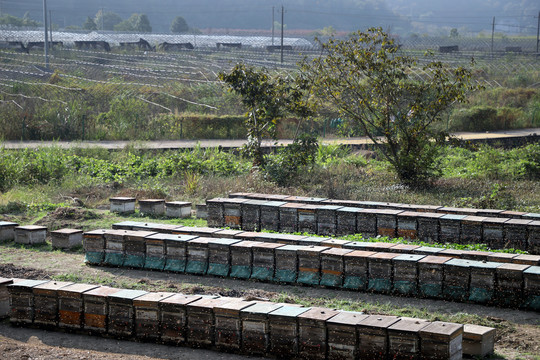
{"x": 457, "y": 275}
{"x": 532, "y": 288}
{"x": 264, "y": 261}
{"x": 380, "y": 272}
{"x": 135, "y": 245}
{"x": 332, "y": 267}
{"x": 94, "y": 246}
{"x": 346, "y": 220}
{"x": 428, "y": 226}
{"x": 356, "y": 269}
{"x": 509, "y": 288}
{"x": 450, "y": 228}
{"x": 115, "y": 247}
{"x": 156, "y": 252}
{"x": 256, "y": 328}
{"x": 287, "y": 263}
{"x": 175, "y": 247}
{"x": 431, "y": 275}
{"x": 342, "y": 335}
{"x": 197, "y": 255}
{"x": 482, "y": 285}
{"x": 219, "y": 256}
{"x": 242, "y": 259}
{"x": 406, "y": 274}
{"x": 327, "y": 219}
{"x": 251, "y": 215}
{"x": 284, "y": 331}
{"x": 270, "y": 212}
{"x": 309, "y": 264}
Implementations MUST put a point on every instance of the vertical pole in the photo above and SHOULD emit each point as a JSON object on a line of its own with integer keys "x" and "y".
{"x": 273, "y": 9}
{"x": 538, "y": 33}
{"x": 492, "y": 35}
{"x": 46, "y": 44}
{"x": 83, "y": 126}
{"x": 50, "y": 26}
{"x": 282, "y": 11}
{"x": 102, "y": 13}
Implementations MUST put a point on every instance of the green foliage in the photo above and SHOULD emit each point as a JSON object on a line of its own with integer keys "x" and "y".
{"x": 179, "y": 25}
{"x": 25, "y": 21}
{"x": 135, "y": 23}
{"x": 89, "y": 24}
{"x": 107, "y": 20}
{"x": 126, "y": 117}
{"x": 373, "y": 86}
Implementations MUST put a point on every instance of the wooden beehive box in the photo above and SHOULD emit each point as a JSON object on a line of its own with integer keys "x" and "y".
{"x": 122, "y": 204}
{"x": 531, "y": 289}
{"x": 515, "y": 233}
{"x": 242, "y": 259}
{"x": 255, "y": 327}
{"x": 197, "y": 255}
{"x": 200, "y": 319}
{"x": 214, "y": 211}
{"x": 46, "y": 303}
{"x": 525, "y": 259}
{"x": 404, "y": 339}
{"x": 114, "y": 247}
{"x": 219, "y": 256}
{"x": 201, "y": 211}
{"x": 509, "y": 286}
{"x": 22, "y": 301}
{"x": 478, "y": 340}
{"x": 366, "y": 223}
{"x": 121, "y": 320}
{"x": 472, "y": 229}
{"x": 387, "y": 222}
{"x": 428, "y": 226}
{"x": 482, "y": 283}
{"x": 431, "y": 275}
{"x": 332, "y": 267}
{"x": 175, "y": 248}
{"x": 307, "y": 218}
{"x": 228, "y": 325}
{"x": 404, "y": 248}
{"x": 407, "y": 225}
{"x": 501, "y": 257}
{"x": 513, "y": 214}
{"x": 7, "y": 230}
{"x": 251, "y": 214}
{"x": 125, "y": 225}
{"x": 30, "y": 234}
{"x": 66, "y": 238}
{"x": 71, "y": 305}
{"x": 135, "y": 245}
{"x": 458, "y": 211}
{"x": 232, "y": 212}
{"x": 457, "y": 275}
{"x": 406, "y": 274}
{"x": 4, "y": 296}
{"x": 96, "y": 309}
{"x": 264, "y": 261}
{"x": 288, "y": 217}
{"x": 380, "y": 272}
{"x": 94, "y": 246}
{"x": 441, "y": 340}
{"x": 283, "y": 324}
{"x": 346, "y": 220}
{"x": 327, "y": 219}
{"x": 533, "y": 241}
{"x": 356, "y": 269}
{"x": 476, "y": 255}
{"x": 152, "y": 207}
{"x": 373, "y": 336}
{"x": 270, "y": 215}
{"x": 312, "y": 333}
{"x": 342, "y": 336}
{"x": 309, "y": 264}
{"x": 155, "y": 256}
{"x": 492, "y": 232}
{"x": 178, "y": 209}
{"x": 147, "y": 315}
{"x": 450, "y": 228}
{"x": 173, "y": 318}
{"x": 287, "y": 263}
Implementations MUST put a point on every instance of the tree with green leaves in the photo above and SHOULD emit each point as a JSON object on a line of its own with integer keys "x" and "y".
{"x": 107, "y": 20}
{"x": 394, "y": 100}
{"x": 179, "y": 25}
{"x": 89, "y": 24}
{"x": 135, "y": 23}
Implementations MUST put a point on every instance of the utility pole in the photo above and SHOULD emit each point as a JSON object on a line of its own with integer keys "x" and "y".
{"x": 538, "y": 33}
{"x": 50, "y": 25}
{"x": 46, "y": 44}
{"x": 102, "y": 13}
{"x": 492, "y": 35}
{"x": 273, "y": 9}
{"x": 282, "y": 12}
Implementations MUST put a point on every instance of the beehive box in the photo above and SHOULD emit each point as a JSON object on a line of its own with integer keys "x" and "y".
{"x": 152, "y": 207}
{"x": 428, "y": 226}
{"x": 513, "y": 214}
{"x": 242, "y": 259}
{"x": 197, "y": 255}
{"x": 251, "y": 214}
{"x": 366, "y": 223}
{"x": 284, "y": 331}
{"x": 454, "y": 253}
{"x": 219, "y": 256}
{"x": 270, "y": 212}
{"x": 482, "y": 284}
{"x": 476, "y": 255}
{"x": 327, "y": 219}
{"x": 114, "y": 247}
{"x": 22, "y": 301}
{"x": 332, "y": 267}
{"x": 509, "y": 287}
{"x": 7, "y": 230}
{"x": 387, "y": 222}
{"x": 531, "y": 288}
{"x": 156, "y": 252}
{"x": 228, "y": 325}
{"x": 380, "y": 272}
{"x": 493, "y": 233}
{"x": 173, "y": 318}
{"x": 154, "y": 227}
{"x": 175, "y": 248}
{"x": 406, "y": 274}
{"x": 533, "y": 241}
{"x": 431, "y": 275}
{"x": 135, "y": 245}
{"x": 309, "y": 264}
{"x": 121, "y": 321}
{"x": 125, "y": 225}
{"x": 457, "y": 275}
{"x": 478, "y": 340}
{"x": 66, "y": 238}
{"x": 379, "y": 246}
{"x": 346, "y": 220}
{"x": 71, "y": 305}
{"x": 342, "y": 337}
{"x": 4, "y": 296}
{"x": 94, "y": 246}
{"x": 286, "y": 263}
{"x": 373, "y": 336}
{"x": 201, "y": 211}
{"x": 122, "y": 204}
{"x": 96, "y": 309}
{"x": 227, "y": 234}
{"x": 147, "y": 315}
{"x": 232, "y": 212}
{"x": 263, "y": 261}
{"x": 311, "y": 241}
{"x": 200, "y": 317}
{"x": 404, "y": 338}
{"x": 178, "y": 209}
{"x": 525, "y": 259}
{"x": 46, "y": 303}
{"x": 407, "y": 225}
{"x": 441, "y": 340}
{"x": 501, "y": 257}
{"x": 515, "y": 233}
{"x": 288, "y": 217}
{"x": 312, "y": 333}
{"x": 450, "y": 228}
{"x": 458, "y": 211}
{"x": 307, "y": 218}
{"x": 472, "y": 229}
{"x": 30, "y": 234}
{"x": 214, "y": 211}
{"x": 356, "y": 269}
{"x": 255, "y": 327}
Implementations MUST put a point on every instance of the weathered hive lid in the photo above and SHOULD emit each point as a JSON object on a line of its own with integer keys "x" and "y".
{"x": 347, "y": 318}
{"x": 378, "y": 321}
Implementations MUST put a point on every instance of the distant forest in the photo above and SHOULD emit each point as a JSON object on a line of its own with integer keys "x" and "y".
{"x": 398, "y": 16}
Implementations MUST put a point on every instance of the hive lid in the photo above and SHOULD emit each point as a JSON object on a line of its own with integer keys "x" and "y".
{"x": 349, "y": 209}
{"x": 329, "y": 207}
{"x": 52, "y": 285}
{"x": 474, "y": 219}
{"x": 127, "y": 294}
{"x": 177, "y": 203}
{"x": 245, "y": 244}
{"x": 494, "y": 220}
{"x": 430, "y": 215}
{"x": 460, "y": 262}
{"x": 223, "y": 241}
{"x": 233, "y": 306}
{"x": 189, "y": 230}
{"x": 383, "y": 256}
{"x": 227, "y": 232}
{"x": 122, "y": 199}
{"x": 381, "y": 245}
{"x": 408, "y": 325}
{"x": 334, "y": 242}
{"x": 441, "y": 330}
{"x": 261, "y": 308}
{"x": 152, "y": 201}
{"x": 409, "y": 257}
{"x": 7, "y": 224}
{"x": 31, "y": 228}
{"x": 27, "y": 283}
{"x": 291, "y": 205}
{"x": 347, "y": 318}
{"x": 360, "y": 253}
{"x": 318, "y": 313}
{"x": 453, "y": 217}
{"x": 254, "y": 202}
{"x": 312, "y": 249}
{"x": 200, "y": 241}
{"x": 428, "y": 250}
{"x": 208, "y": 303}
{"x": 264, "y": 245}
{"x": 290, "y": 248}
{"x": 477, "y": 332}
{"x": 498, "y": 257}
{"x": 102, "y": 291}
{"x": 378, "y": 321}
{"x": 181, "y": 299}
{"x": 336, "y": 251}
{"x": 405, "y": 247}
{"x": 518, "y": 222}
{"x": 408, "y": 214}
{"x": 5, "y": 281}
{"x": 527, "y": 259}
{"x": 126, "y": 224}
{"x": 171, "y": 237}
{"x": 76, "y": 288}
{"x": 533, "y": 270}
{"x": 432, "y": 259}
{"x": 289, "y": 311}
{"x": 512, "y": 267}
{"x": 67, "y": 231}
{"x": 99, "y": 232}
{"x": 274, "y": 203}
{"x": 152, "y": 297}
